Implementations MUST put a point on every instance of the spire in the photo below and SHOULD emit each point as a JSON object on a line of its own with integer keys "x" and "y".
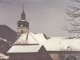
{"x": 23, "y": 7}
{"x": 23, "y": 16}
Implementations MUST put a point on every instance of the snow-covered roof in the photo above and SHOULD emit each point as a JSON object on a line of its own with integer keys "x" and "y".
{"x": 32, "y": 38}
{"x": 3, "y": 39}
{"x": 52, "y": 44}
{"x": 24, "y": 48}
{"x": 62, "y": 44}
{"x": 5, "y": 57}
{"x": 2, "y": 56}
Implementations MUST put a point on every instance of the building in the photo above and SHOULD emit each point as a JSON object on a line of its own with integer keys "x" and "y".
{"x": 27, "y": 47}
{"x": 28, "y": 52}
{"x": 62, "y": 47}
{"x": 59, "y": 48}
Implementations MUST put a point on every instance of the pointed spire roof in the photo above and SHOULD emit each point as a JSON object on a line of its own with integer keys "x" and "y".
{"x": 23, "y": 15}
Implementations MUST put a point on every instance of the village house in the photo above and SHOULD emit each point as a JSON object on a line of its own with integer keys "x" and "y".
{"x": 28, "y": 52}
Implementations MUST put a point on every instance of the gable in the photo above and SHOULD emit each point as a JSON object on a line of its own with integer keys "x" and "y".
{"x": 43, "y": 54}
{"x": 31, "y": 39}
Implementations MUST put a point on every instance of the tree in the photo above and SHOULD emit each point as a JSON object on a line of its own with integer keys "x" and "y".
{"x": 69, "y": 57}
{"x": 4, "y": 45}
{"x": 74, "y": 14}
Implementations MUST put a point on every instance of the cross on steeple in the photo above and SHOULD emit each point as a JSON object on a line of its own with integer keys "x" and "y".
{"x": 23, "y": 6}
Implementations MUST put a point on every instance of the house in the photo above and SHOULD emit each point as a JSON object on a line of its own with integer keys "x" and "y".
{"x": 62, "y": 47}
{"x": 28, "y": 52}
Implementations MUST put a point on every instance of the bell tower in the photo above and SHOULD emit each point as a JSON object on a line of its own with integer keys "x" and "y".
{"x": 23, "y": 25}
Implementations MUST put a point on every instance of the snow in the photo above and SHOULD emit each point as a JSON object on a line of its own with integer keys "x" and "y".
{"x": 52, "y": 44}
{"x": 40, "y": 38}
{"x": 3, "y": 39}
{"x": 2, "y": 56}
{"x": 5, "y": 57}
{"x": 62, "y": 44}
{"x": 32, "y": 38}
{"x": 24, "y": 48}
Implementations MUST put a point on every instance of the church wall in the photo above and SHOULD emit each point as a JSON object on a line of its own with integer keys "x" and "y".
{"x": 25, "y": 29}
{"x": 20, "y": 29}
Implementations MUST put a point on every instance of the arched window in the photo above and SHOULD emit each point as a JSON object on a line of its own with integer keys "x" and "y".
{"x": 21, "y": 31}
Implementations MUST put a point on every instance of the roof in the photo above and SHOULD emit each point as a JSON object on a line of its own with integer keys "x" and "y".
{"x": 62, "y": 44}
{"x": 2, "y": 56}
{"x": 24, "y": 48}
{"x": 32, "y": 38}
{"x": 52, "y": 44}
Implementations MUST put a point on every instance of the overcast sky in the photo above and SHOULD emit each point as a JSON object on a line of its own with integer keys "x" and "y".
{"x": 44, "y": 16}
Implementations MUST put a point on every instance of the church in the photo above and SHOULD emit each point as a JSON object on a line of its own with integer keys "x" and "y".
{"x": 37, "y": 46}
{"x": 22, "y": 50}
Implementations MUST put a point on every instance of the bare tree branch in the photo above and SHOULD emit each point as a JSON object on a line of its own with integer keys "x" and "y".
{"x": 74, "y": 8}
{"x": 75, "y": 0}
{"x": 69, "y": 19}
{"x": 74, "y": 14}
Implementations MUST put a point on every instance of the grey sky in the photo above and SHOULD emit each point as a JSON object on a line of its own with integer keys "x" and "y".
{"x": 44, "y": 16}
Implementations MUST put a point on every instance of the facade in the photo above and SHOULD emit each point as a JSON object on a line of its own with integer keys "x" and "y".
{"x": 28, "y": 52}
{"x": 31, "y": 46}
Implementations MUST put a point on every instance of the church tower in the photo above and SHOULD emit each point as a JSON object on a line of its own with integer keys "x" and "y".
{"x": 23, "y": 25}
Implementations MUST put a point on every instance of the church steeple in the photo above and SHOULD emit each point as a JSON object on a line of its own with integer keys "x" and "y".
{"x": 23, "y": 15}
{"x": 23, "y": 25}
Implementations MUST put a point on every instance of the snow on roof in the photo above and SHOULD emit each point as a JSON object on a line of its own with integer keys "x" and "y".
{"x": 3, "y": 39}
{"x": 62, "y": 44}
{"x": 24, "y": 48}
{"x": 5, "y": 57}
{"x": 2, "y": 56}
{"x": 52, "y": 44}
{"x": 40, "y": 37}
{"x": 32, "y": 38}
